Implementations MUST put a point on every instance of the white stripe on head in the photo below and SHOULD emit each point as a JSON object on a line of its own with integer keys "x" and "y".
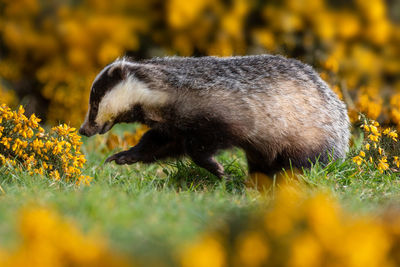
{"x": 124, "y": 96}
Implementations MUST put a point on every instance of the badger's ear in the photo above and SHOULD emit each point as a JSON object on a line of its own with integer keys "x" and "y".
{"x": 118, "y": 71}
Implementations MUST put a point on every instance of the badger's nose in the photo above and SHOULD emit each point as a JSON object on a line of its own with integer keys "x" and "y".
{"x": 83, "y": 131}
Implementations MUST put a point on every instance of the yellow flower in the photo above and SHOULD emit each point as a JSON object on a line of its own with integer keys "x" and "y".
{"x": 55, "y": 154}
{"x": 84, "y": 180}
{"x": 374, "y": 130}
{"x": 54, "y": 174}
{"x": 382, "y": 165}
{"x": 365, "y": 127}
{"x": 50, "y": 240}
{"x": 393, "y": 135}
{"x": 306, "y": 251}
{"x": 252, "y": 250}
{"x": 358, "y": 160}
{"x": 207, "y": 252}
{"x": 373, "y": 138}
{"x": 362, "y": 153}
{"x": 396, "y": 161}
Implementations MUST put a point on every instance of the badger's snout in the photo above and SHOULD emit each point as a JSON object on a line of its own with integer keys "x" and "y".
{"x": 87, "y": 130}
{"x": 83, "y": 131}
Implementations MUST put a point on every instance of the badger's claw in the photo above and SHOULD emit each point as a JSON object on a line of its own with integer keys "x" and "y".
{"x": 111, "y": 158}
{"x": 121, "y": 158}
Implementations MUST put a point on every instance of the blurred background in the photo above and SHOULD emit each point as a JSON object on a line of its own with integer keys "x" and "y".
{"x": 51, "y": 50}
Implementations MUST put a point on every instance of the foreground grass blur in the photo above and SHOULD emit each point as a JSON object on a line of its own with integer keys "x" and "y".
{"x": 176, "y": 214}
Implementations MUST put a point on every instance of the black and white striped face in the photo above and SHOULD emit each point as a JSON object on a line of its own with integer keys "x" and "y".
{"x": 114, "y": 95}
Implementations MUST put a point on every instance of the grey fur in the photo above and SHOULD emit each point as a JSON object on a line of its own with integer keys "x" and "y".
{"x": 278, "y": 110}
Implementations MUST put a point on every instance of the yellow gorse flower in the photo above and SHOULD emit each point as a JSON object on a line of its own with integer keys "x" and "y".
{"x": 396, "y": 161}
{"x": 47, "y": 239}
{"x": 383, "y": 165}
{"x": 373, "y": 138}
{"x": 391, "y": 133}
{"x": 358, "y": 160}
{"x": 55, "y": 154}
{"x": 365, "y": 127}
{"x": 308, "y": 231}
{"x": 383, "y": 154}
{"x": 374, "y": 130}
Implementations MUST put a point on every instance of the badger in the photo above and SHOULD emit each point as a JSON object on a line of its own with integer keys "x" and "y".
{"x": 278, "y": 110}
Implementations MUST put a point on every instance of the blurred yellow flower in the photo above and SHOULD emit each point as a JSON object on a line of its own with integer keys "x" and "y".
{"x": 320, "y": 234}
{"x": 207, "y": 252}
{"x": 305, "y": 252}
{"x": 252, "y": 250}
{"x": 182, "y": 13}
{"x": 49, "y": 240}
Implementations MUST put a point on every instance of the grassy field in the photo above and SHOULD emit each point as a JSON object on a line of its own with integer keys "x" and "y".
{"x": 150, "y": 211}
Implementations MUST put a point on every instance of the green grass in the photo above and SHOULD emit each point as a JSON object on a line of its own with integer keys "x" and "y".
{"x": 136, "y": 211}
{"x": 159, "y": 207}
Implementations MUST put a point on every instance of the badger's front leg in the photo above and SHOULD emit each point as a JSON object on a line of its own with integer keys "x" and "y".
{"x": 201, "y": 151}
{"x": 154, "y": 145}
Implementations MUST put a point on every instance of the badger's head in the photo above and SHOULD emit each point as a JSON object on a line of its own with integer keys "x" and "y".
{"x": 117, "y": 95}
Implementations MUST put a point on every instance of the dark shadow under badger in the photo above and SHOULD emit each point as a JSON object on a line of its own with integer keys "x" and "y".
{"x": 278, "y": 110}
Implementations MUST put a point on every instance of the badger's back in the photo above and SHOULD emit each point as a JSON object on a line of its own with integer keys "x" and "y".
{"x": 278, "y": 106}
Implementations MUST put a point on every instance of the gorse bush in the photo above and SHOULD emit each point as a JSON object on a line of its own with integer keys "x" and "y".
{"x": 299, "y": 230}
{"x": 129, "y": 139}
{"x": 52, "y": 50}
{"x": 46, "y": 239}
{"x": 26, "y": 146}
{"x": 56, "y": 48}
{"x": 380, "y": 148}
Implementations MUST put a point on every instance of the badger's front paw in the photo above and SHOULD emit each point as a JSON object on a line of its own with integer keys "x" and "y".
{"x": 124, "y": 157}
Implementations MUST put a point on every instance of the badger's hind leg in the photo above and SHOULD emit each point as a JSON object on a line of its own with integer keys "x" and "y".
{"x": 258, "y": 162}
{"x": 305, "y": 159}
{"x": 154, "y": 145}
